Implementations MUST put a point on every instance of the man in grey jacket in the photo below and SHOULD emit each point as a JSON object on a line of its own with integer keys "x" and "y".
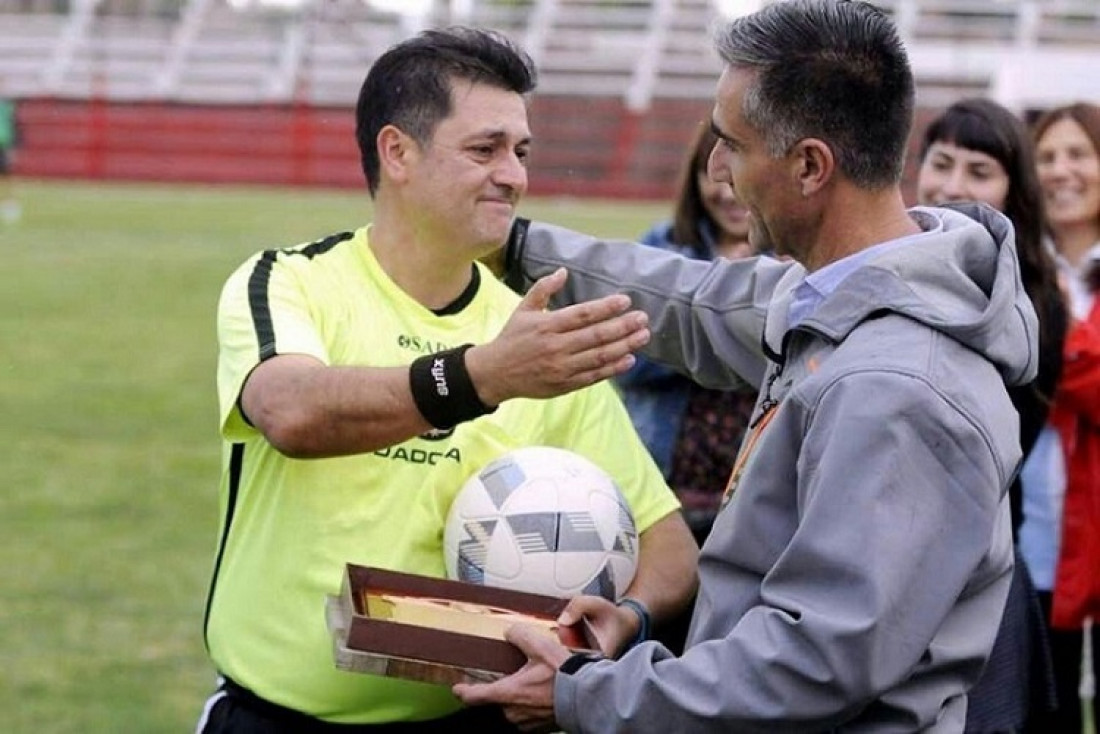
{"x": 856, "y": 576}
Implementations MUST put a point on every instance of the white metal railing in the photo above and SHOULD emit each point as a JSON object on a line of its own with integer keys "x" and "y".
{"x": 283, "y": 81}
{"x": 1022, "y": 52}
{"x": 80, "y": 17}
{"x": 640, "y": 91}
{"x": 182, "y": 39}
{"x": 538, "y": 28}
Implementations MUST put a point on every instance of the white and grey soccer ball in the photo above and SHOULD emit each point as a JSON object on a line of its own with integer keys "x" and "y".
{"x": 542, "y": 520}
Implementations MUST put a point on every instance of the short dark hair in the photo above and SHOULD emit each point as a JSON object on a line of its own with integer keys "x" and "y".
{"x": 835, "y": 70}
{"x": 409, "y": 86}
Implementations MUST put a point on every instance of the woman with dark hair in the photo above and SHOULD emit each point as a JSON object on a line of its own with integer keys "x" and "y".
{"x": 693, "y": 433}
{"x": 708, "y": 220}
{"x": 1061, "y": 531}
{"x": 979, "y": 151}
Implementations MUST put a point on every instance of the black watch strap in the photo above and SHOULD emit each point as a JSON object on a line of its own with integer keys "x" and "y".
{"x": 578, "y": 660}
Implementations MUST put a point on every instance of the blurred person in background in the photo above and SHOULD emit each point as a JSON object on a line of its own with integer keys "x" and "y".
{"x": 979, "y": 151}
{"x": 342, "y": 360}
{"x": 692, "y": 432}
{"x": 10, "y": 210}
{"x": 1060, "y": 535}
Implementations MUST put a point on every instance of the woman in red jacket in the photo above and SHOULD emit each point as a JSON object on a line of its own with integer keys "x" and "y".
{"x": 1068, "y": 161}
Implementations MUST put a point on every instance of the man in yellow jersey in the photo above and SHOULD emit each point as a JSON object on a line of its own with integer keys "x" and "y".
{"x": 353, "y": 407}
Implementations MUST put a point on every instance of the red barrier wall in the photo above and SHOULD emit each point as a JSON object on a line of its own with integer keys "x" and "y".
{"x": 583, "y": 146}
{"x": 164, "y": 142}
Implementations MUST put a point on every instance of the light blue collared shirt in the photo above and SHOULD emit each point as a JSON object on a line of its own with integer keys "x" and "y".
{"x": 819, "y": 285}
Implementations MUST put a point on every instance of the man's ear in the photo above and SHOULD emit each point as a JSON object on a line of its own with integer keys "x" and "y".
{"x": 814, "y": 163}
{"x": 395, "y": 151}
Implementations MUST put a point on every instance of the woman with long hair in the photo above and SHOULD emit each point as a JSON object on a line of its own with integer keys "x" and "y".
{"x": 979, "y": 151}
{"x": 1061, "y": 532}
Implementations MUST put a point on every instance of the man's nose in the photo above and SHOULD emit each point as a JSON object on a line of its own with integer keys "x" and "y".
{"x": 511, "y": 172}
{"x": 717, "y": 167}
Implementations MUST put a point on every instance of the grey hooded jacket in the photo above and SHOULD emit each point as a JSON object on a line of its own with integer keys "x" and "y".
{"x": 856, "y": 578}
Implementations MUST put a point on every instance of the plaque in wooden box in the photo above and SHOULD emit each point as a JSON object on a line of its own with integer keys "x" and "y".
{"x": 435, "y": 630}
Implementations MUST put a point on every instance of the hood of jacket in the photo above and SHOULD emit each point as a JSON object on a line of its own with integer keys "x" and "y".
{"x": 970, "y": 291}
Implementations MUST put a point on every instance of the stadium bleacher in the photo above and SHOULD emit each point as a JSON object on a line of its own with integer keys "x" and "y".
{"x": 621, "y": 83}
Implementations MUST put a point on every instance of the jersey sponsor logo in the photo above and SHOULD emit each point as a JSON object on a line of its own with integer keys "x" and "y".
{"x": 419, "y": 456}
{"x": 420, "y": 345}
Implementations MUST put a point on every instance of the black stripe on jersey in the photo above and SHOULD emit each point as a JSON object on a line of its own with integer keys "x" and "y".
{"x": 236, "y": 460}
{"x": 320, "y": 247}
{"x": 260, "y": 306}
{"x": 261, "y": 276}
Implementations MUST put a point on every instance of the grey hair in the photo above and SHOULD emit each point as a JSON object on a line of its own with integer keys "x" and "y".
{"x": 834, "y": 70}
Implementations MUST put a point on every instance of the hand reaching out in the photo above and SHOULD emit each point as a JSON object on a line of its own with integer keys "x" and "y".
{"x": 542, "y": 354}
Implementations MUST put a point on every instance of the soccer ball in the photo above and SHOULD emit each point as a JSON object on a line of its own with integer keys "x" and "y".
{"x": 545, "y": 521}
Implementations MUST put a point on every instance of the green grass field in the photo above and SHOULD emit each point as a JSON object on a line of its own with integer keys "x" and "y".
{"x": 108, "y": 517}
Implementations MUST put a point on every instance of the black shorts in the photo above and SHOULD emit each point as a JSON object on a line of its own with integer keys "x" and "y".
{"x": 5, "y": 162}
{"x": 236, "y": 710}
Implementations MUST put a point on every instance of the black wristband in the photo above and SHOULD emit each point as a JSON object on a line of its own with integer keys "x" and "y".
{"x": 442, "y": 389}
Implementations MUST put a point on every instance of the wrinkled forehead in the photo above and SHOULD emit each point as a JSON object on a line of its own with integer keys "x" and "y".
{"x": 729, "y": 96}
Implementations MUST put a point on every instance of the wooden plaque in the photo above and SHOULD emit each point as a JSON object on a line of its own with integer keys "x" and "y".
{"x": 435, "y": 630}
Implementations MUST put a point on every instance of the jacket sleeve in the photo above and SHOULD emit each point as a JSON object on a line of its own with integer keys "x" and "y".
{"x": 706, "y": 318}
{"x": 894, "y": 525}
{"x": 646, "y": 372}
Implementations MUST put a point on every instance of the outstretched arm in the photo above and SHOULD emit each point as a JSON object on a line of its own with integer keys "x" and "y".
{"x": 307, "y": 409}
{"x": 707, "y": 318}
